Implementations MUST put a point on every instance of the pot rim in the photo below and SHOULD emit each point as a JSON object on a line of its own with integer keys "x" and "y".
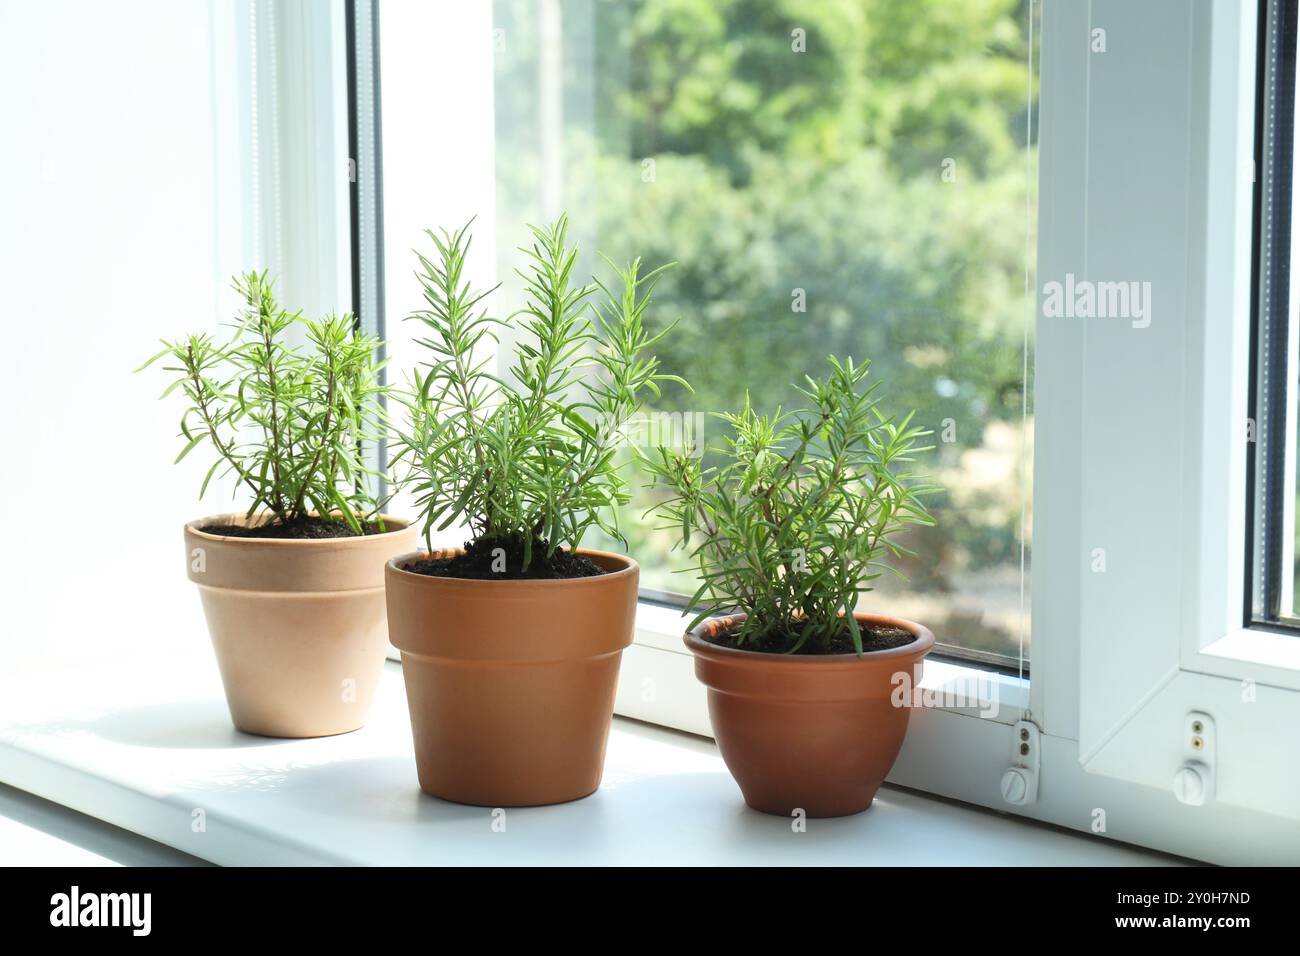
{"x": 630, "y": 567}
{"x": 193, "y": 527}
{"x": 923, "y": 644}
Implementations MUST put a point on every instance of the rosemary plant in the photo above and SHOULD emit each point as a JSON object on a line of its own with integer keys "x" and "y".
{"x": 286, "y": 421}
{"x": 528, "y": 460}
{"x": 797, "y": 520}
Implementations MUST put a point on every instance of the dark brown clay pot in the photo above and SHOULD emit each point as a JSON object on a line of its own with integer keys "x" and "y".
{"x": 817, "y": 734}
{"x": 297, "y": 625}
{"x": 511, "y": 683}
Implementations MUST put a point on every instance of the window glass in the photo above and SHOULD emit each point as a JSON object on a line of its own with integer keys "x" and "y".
{"x": 847, "y": 176}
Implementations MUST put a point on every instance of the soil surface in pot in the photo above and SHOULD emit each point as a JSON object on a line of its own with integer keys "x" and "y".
{"x": 875, "y": 637}
{"x": 303, "y": 528}
{"x": 502, "y": 559}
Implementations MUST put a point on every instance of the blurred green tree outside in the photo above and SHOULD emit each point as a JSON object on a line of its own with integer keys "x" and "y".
{"x": 853, "y": 177}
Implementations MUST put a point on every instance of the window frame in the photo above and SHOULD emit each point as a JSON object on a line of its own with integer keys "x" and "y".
{"x": 366, "y": 190}
{"x": 1178, "y": 531}
{"x": 1271, "y": 470}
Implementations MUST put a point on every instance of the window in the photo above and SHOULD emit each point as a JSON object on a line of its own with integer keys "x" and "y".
{"x": 794, "y": 159}
{"x": 850, "y": 177}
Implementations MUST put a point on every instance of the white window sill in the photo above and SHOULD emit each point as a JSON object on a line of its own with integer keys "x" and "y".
{"x": 666, "y": 799}
{"x": 1258, "y": 646}
{"x": 35, "y": 832}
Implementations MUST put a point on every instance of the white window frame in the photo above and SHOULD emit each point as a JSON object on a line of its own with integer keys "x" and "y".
{"x": 1139, "y": 450}
{"x": 1175, "y": 537}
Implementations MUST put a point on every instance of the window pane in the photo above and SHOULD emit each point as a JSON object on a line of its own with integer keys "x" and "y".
{"x": 847, "y": 176}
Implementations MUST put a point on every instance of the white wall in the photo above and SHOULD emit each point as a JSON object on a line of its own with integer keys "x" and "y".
{"x": 109, "y": 240}
{"x": 121, "y": 218}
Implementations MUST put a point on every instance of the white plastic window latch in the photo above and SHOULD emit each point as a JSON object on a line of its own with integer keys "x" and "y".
{"x": 1020, "y": 780}
{"x": 1194, "y": 779}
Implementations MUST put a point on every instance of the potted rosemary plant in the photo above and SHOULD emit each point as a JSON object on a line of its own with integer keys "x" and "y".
{"x": 789, "y": 531}
{"x": 511, "y": 646}
{"x": 292, "y": 587}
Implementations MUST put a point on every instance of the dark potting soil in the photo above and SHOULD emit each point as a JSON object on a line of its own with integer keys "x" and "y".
{"x": 301, "y": 528}
{"x": 502, "y": 559}
{"x": 875, "y": 637}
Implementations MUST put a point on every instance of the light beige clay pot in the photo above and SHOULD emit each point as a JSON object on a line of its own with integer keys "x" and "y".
{"x": 298, "y": 626}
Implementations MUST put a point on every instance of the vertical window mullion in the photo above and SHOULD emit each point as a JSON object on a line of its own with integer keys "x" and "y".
{"x": 366, "y": 198}
{"x": 1273, "y": 308}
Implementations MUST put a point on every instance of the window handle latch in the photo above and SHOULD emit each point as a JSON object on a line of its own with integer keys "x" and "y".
{"x": 1020, "y": 780}
{"x": 1194, "y": 779}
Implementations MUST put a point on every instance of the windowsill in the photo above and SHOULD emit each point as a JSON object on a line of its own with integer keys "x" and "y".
{"x": 36, "y": 832}
{"x": 1258, "y": 646}
{"x": 148, "y": 766}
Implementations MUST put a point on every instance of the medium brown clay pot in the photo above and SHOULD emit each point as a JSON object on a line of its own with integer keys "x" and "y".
{"x": 511, "y": 683}
{"x": 297, "y": 625}
{"x": 802, "y": 732}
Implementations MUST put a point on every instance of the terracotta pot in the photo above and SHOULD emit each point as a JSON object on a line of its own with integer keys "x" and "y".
{"x": 297, "y": 625}
{"x": 801, "y": 732}
{"x": 511, "y": 683}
